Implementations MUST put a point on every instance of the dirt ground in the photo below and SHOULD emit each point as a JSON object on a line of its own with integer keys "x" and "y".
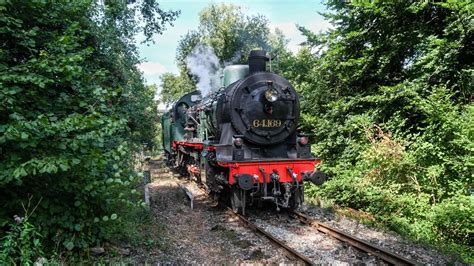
{"x": 206, "y": 234}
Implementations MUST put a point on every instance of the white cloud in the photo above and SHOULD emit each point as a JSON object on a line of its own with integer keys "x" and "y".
{"x": 152, "y": 68}
{"x": 295, "y": 37}
{"x": 288, "y": 28}
{"x": 291, "y": 33}
{"x": 318, "y": 25}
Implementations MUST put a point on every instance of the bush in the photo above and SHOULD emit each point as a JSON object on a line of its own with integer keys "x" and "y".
{"x": 390, "y": 106}
{"x": 404, "y": 200}
{"x": 454, "y": 219}
{"x": 21, "y": 244}
{"x": 74, "y": 112}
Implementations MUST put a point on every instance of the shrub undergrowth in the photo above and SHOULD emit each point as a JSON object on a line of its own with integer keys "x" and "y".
{"x": 389, "y": 183}
{"x": 388, "y": 96}
{"x": 74, "y": 112}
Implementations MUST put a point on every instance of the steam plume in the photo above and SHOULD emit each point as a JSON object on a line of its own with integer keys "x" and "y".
{"x": 203, "y": 63}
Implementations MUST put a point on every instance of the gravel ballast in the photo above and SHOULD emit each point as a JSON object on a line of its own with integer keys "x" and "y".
{"x": 208, "y": 234}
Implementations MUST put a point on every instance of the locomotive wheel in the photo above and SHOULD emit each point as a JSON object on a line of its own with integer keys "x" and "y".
{"x": 168, "y": 158}
{"x": 294, "y": 204}
{"x": 211, "y": 173}
{"x": 296, "y": 199}
{"x": 235, "y": 200}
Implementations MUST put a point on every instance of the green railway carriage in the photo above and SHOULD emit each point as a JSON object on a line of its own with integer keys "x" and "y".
{"x": 166, "y": 134}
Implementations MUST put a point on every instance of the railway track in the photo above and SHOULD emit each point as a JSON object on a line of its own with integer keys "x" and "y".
{"x": 360, "y": 244}
{"x": 255, "y": 228}
{"x": 290, "y": 251}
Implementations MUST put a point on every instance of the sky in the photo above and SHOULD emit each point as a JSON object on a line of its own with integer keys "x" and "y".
{"x": 283, "y": 14}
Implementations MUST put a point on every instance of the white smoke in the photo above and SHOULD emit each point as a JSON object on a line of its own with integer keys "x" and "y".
{"x": 235, "y": 58}
{"x": 203, "y": 63}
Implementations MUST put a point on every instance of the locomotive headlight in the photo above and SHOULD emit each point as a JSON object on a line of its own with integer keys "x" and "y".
{"x": 271, "y": 95}
{"x": 238, "y": 142}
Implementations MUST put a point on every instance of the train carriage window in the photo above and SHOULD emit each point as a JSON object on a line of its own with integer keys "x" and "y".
{"x": 182, "y": 108}
{"x": 195, "y": 98}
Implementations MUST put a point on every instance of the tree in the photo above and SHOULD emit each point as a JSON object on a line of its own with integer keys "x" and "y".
{"x": 386, "y": 71}
{"x": 231, "y": 35}
{"x": 388, "y": 95}
{"x": 228, "y": 31}
{"x": 74, "y": 110}
{"x": 174, "y": 86}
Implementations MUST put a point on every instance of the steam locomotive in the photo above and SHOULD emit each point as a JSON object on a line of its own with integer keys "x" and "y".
{"x": 241, "y": 141}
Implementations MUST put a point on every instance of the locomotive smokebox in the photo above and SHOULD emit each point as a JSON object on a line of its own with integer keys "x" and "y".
{"x": 257, "y": 61}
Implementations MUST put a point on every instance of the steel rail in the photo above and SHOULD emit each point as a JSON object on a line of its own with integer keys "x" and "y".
{"x": 292, "y": 252}
{"x": 358, "y": 243}
{"x": 255, "y": 228}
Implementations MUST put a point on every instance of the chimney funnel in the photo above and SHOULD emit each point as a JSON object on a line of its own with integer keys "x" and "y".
{"x": 257, "y": 61}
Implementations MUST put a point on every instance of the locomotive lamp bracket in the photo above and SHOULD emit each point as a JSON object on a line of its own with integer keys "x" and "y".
{"x": 274, "y": 176}
{"x": 304, "y": 134}
{"x": 293, "y": 177}
{"x": 317, "y": 177}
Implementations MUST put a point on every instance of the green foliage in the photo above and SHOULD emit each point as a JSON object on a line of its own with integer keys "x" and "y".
{"x": 174, "y": 86}
{"x": 231, "y": 34}
{"x": 22, "y": 243}
{"x": 454, "y": 219}
{"x": 74, "y": 111}
{"x": 390, "y": 107}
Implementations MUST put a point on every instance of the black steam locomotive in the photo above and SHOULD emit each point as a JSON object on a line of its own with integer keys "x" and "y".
{"x": 242, "y": 141}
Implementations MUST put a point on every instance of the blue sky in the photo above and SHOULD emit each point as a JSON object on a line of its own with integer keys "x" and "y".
{"x": 282, "y": 14}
